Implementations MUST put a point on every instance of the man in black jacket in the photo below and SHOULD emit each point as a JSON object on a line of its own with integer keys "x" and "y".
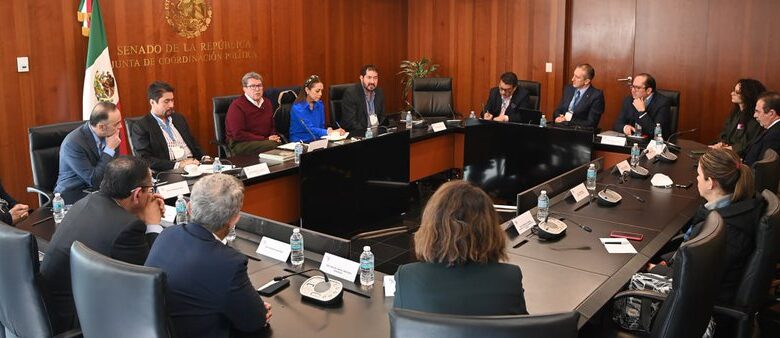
{"x": 581, "y": 104}
{"x": 644, "y": 107}
{"x": 505, "y": 101}
{"x": 768, "y": 114}
{"x": 163, "y": 137}
{"x": 120, "y": 221}
{"x": 363, "y": 104}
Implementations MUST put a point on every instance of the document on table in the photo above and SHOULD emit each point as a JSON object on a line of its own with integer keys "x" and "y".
{"x": 389, "y": 282}
{"x": 618, "y": 245}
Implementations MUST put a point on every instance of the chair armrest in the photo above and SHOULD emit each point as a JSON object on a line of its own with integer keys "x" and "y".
{"x": 641, "y": 294}
{"x": 41, "y": 192}
{"x": 730, "y": 312}
{"x": 70, "y": 334}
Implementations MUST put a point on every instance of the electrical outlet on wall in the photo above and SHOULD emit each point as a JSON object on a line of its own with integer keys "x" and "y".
{"x": 22, "y": 64}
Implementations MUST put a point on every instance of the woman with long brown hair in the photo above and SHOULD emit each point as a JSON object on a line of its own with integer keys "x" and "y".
{"x": 740, "y": 127}
{"x": 460, "y": 245}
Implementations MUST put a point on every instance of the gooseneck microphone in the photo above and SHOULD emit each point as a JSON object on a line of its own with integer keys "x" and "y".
{"x": 674, "y": 146}
{"x": 607, "y": 197}
{"x": 424, "y": 123}
{"x": 313, "y": 138}
{"x": 318, "y": 289}
{"x": 278, "y": 278}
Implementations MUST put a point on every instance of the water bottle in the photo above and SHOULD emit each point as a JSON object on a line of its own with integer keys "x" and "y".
{"x": 231, "y": 236}
{"x": 543, "y": 122}
{"x": 590, "y": 181}
{"x": 369, "y": 133}
{"x": 181, "y": 211}
{"x": 408, "y": 120}
{"x": 367, "y": 267}
{"x": 217, "y": 166}
{"x": 58, "y": 208}
{"x": 543, "y": 207}
{"x": 298, "y": 152}
{"x": 296, "y": 247}
{"x": 659, "y": 138}
{"x": 635, "y": 155}
{"x": 637, "y": 130}
{"x": 472, "y": 115}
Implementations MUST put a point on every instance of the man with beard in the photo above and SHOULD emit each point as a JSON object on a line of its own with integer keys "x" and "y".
{"x": 363, "y": 105}
{"x": 163, "y": 137}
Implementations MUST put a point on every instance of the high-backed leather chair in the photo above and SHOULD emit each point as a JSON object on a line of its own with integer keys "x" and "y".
{"x": 759, "y": 270}
{"x": 283, "y": 104}
{"x": 687, "y": 309}
{"x": 534, "y": 91}
{"x": 22, "y": 309}
{"x": 45, "y": 144}
{"x": 221, "y": 105}
{"x": 433, "y": 96}
{"x": 411, "y": 324}
{"x": 274, "y": 92}
{"x": 674, "y": 96}
{"x": 129, "y": 123}
{"x": 767, "y": 172}
{"x": 335, "y": 95}
{"x": 117, "y": 299}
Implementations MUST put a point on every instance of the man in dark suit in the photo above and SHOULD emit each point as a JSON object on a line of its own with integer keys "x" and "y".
{"x": 119, "y": 221}
{"x": 208, "y": 291}
{"x": 646, "y": 108}
{"x": 505, "y": 101}
{"x": 363, "y": 104}
{"x": 582, "y": 104}
{"x": 163, "y": 137}
{"x": 86, "y": 150}
{"x": 767, "y": 113}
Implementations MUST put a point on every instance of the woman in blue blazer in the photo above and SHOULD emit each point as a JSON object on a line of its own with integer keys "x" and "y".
{"x": 307, "y": 115}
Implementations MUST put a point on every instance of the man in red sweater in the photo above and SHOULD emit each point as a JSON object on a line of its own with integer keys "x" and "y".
{"x": 250, "y": 119}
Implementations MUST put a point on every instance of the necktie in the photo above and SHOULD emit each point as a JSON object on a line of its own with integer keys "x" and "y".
{"x": 575, "y": 100}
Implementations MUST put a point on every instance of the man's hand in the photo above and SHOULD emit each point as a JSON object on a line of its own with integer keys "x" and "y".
{"x": 267, "y": 312}
{"x": 501, "y": 118}
{"x": 187, "y": 161}
{"x": 628, "y": 130}
{"x": 560, "y": 119}
{"x": 639, "y": 104}
{"x": 113, "y": 141}
{"x": 153, "y": 209}
{"x": 275, "y": 138}
{"x": 19, "y": 212}
{"x": 487, "y": 116}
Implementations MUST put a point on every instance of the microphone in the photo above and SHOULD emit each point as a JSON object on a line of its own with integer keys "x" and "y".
{"x": 452, "y": 111}
{"x": 626, "y": 79}
{"x": 318, "y": 289}
{"x": 278, "y": 278}
{"x": 609, "y": 198}
{"x": 313, "y": 138}
{"x": 674, "y": 146}
{"x": 424, "y": 123}
{"x": 157, "y": 176}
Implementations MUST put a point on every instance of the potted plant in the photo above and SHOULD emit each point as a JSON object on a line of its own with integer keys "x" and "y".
{"x": 415, "y": 69}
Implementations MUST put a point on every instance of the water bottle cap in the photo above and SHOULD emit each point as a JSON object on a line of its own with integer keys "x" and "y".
{"x": 296, "y": 230}
{"x": 592, "y": 165}
{"x": 180, "y": 196}
{"x": 636, "y": 145}
{"x": 367, "y": 248}
{"x": 56, "y": 194}
{"x": 544, "y": 192}
{"x": 216, "y": 159}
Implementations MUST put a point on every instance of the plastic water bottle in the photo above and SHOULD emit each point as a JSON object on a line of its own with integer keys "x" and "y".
{"x": 367, "y": 267}
{"x": 635, "y": 155}
{"x": 659, "y": 138}
{"x": 58, "y": 208}
{"x": 181, "y": 211}
{"x": 296, "y": 247}
{"x": 217, "y": 166}
{"x": 590, "y": 181}
{"x": 637, "y": 130}
{"x": 543, "y": 121}
{"x": 543, "y": 207}
{"x": 231, "y": 236}
{"x": 298, "y": 152}
{"x": 472, "y": 115}
{"x": 408, "y": 120}
{"x": 369, "y": 133}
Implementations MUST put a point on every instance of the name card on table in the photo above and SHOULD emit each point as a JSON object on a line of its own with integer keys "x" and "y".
{"x": 568, "y": 115}
{"x": 524, "y": 222}
{"x": 174, "y": 189}
{"x": 579, "y": 192}
{"x": 613, "y": 140}
{"x": 169, "y": 216}
{"x": 319, "y": 144}
{"x": 389, "y": 283}
{"x": 339, "y": 267}
{"x": 253, "y": 171}
{"x": 277, "y": 250}
{"x": 439, "y": 126}
{"x": 623, "y": 167}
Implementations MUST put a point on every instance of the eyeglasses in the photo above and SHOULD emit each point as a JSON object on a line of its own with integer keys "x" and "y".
{"x": 254, "y": 87}
{"x": 153, "y": 190}
{"x": 637, "y": 87}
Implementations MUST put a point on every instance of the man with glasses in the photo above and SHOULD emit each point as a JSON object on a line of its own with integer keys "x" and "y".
{"x": 86, "y": 150}
{"x": 767, "y": 113}
{"x": 505, "y": 101}
{"x": 120, "y": 221}
{"x": 363, "y": 105}
{"x": 163, "y": 137}
{"x": 644, "y": 107}
{"x": 250, "y": 119}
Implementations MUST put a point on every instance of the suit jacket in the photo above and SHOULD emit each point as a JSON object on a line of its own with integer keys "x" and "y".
{"x": 150, "y": 144}
{"x": 469, "y": 289}
{"x": 587, "y": 112}
{"x": 102, "y": 225}
{"x": 354, "y": 113}
{"x": 5, "y": 214}
{"x": 520, "y": 99}
{"x": 769, "y": 139}
{"x": 208, "y": 291}
{"x": 81, "y": 165}
{"x": 658, "y": 111}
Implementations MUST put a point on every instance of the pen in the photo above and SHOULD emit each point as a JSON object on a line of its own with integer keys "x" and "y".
{"x": 520, "y": 244}
{"x": 616, "y": 243}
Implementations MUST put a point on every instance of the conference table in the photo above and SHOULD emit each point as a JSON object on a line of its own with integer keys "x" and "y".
{"x": 574, "y": 273}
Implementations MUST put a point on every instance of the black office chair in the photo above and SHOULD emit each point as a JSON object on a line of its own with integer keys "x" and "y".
{"x": 336, "y": 93}
{"x": 674, "y": 96}
{"x": 687, "y": 309}
{"x": 45, "y": 144}
{"x": 767, "y": 172}
{"x": 117, "y": 299}
{"x": 535, "y": 92}
{"x": 221, "y": 105}
{"x": 411, "y": 324}
{"x": 22, "y": 309}
{"x": 130, "y": 122}
{"x": 752, "y": 293}
{"x": 282, "y": 113}
{"x": 432, "y": 97}
{"x": 273, "y": 93}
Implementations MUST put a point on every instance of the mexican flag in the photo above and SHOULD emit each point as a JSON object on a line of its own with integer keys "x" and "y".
{"x": 99, "y": 81}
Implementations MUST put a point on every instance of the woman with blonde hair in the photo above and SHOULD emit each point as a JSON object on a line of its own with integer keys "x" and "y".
{"x": 460, "y": 245}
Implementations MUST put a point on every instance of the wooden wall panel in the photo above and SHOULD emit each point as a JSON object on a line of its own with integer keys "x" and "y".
{"x": 476, "y": 41}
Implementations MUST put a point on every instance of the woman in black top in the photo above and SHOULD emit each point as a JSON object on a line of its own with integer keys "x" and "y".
{"x": 459, "y": 245}
{"x": 740, "y": 127}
